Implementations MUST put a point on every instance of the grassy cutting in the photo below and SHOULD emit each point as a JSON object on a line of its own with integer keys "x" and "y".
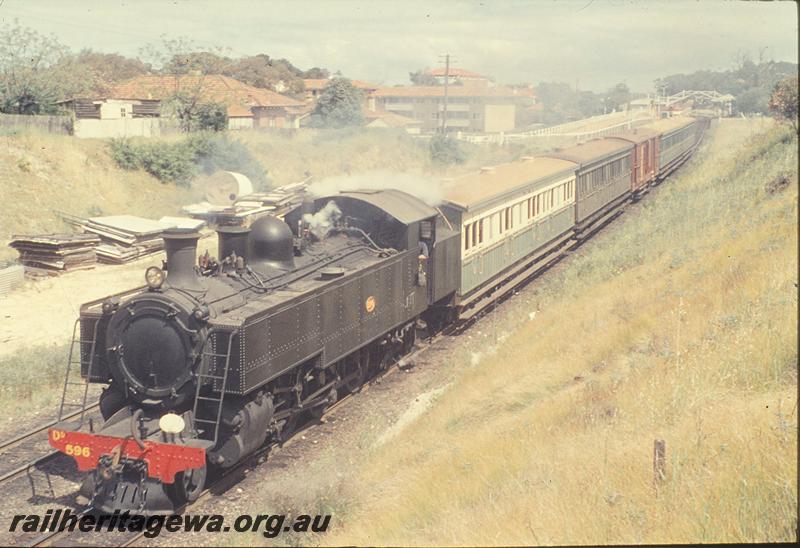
{"x": 679, "y": 324}
{"x": 32, "y": 379}
{"x": 41, "y": 174}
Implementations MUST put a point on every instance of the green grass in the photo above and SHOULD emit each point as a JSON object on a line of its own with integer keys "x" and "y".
{"x": 32, "y": 379}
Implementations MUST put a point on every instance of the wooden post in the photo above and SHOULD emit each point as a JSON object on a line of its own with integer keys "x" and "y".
{"x": 659, "y": 462}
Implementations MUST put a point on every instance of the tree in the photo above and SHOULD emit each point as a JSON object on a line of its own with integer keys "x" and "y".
{"x": 559, "y": 103}
{"x": 783, "y": 103}
{"x": 262, "y": 72}
{"x": 589, "y": 104}
{"x": 316, "y": 73}
{"x": 191, "y": 66}
{"x": 753, "y": 100}
{"x": 109, "y": 68}
{"x": 445, "y": 150}
{"x": 36, "y": 71}
{"x": 751, "y": 83}
{"x": 422, "y": 78}
{"x": 339, "y": 104}
{"x": 211, "y": 117}
{"x": 618, "y": 97}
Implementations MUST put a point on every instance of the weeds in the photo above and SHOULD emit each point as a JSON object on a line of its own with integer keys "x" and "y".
{"x": 32, "y": 375}
{"x": 677, "y": 323}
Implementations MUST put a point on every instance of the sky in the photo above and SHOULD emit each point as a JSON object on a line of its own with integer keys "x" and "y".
{"x": 593, "y": 44}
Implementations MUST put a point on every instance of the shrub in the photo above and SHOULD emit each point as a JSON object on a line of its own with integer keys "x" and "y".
{"x": 445, "y": 150}
{"x": 179, "y": 162}
{"x": 125, "y": 155}
{"x": 211, "y": 117}
{"x": 169, "y": 162}
{"x": 215, "y": 152}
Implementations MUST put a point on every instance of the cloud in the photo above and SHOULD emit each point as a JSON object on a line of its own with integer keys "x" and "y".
{"x": 597, "y": 42}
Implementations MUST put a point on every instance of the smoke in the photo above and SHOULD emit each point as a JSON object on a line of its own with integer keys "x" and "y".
{"x": 321, "y": 222}
{"x": 426, "y": 188}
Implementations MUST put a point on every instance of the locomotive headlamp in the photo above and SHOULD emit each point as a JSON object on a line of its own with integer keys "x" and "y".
{"x": 154, "y": 277}
{"x": 110, "y": 305}
{"x": 171, "y": 423}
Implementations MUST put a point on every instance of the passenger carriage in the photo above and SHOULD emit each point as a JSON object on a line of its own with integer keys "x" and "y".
{"x": 644, "y": 156}
{"x": 603, "y": 178}
{"x": 677, "y": 137}
{"x": 509, "y": 215}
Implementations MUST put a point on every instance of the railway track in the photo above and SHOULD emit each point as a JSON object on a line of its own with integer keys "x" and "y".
{"x": 28, "y": 437}
{"x": 230, "y": 477}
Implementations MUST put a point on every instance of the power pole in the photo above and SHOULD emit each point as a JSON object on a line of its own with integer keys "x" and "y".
{"x": 447, "y": 62}
{"x": 446, "y": 84}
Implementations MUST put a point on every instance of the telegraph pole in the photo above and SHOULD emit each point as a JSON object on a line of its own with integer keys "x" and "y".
{"x": 447, "y": 62}
{"x": 446, "y": 83}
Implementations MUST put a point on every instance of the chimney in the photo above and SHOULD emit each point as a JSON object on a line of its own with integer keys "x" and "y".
{"x": 232, "y": 239}
{"x": 181, "y": 248}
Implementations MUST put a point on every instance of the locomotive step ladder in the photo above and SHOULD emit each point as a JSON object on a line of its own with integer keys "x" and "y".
{"x": 68, "y": 400}
{"x": 209, "y": 359}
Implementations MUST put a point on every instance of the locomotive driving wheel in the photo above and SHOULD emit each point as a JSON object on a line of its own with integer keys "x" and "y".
{"x": 355, "y": 370}
{"x": 188, "y": 485}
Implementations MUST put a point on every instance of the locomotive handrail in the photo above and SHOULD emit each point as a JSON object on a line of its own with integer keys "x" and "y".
{"x": 201, "y": 376}
{"x": 70, "y": 363}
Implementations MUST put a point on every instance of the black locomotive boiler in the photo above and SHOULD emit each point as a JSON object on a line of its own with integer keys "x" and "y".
{"x": 214, "y": 357}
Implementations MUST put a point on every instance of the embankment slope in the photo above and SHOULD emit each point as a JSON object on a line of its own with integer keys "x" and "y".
{"x": 677, "y": 323}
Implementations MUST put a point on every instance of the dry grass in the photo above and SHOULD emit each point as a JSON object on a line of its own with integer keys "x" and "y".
{"x": 326, "y": 153}
{"x": 679, "y": 324}
{"x": 42, "y": 173}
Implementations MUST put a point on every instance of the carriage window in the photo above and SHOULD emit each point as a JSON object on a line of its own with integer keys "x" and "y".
{"x": 480, "y": 231}
{"x": 466, "y": 236}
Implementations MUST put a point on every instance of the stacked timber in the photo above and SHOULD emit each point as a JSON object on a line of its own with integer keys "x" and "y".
{"x": 125, "y": 238}
{"x": 238, "y": 214}
{"x": 56, "y": 252}
{"x": 249, "y": 207}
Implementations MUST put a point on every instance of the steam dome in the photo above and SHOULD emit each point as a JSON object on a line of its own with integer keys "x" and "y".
{"x": 270, "y": 244}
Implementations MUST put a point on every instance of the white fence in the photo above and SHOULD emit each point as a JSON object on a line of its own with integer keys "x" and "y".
{"x": 611, "y": 124}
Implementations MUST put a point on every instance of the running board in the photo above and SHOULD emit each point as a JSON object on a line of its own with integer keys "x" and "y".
{"x": 480, "y": 301}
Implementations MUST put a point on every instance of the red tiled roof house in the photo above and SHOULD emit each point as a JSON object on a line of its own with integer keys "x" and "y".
{"x": 247, "y": 106}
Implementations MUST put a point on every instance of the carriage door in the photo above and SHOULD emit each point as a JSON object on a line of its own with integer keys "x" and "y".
{"x": 427, "y": 238}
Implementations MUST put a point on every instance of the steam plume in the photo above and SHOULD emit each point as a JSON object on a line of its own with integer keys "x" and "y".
{"x": 423, "y": 187}
{"x": 323, "y": 220}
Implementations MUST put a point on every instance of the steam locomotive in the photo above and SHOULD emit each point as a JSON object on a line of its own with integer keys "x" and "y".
{"x": 215, "y": 357}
